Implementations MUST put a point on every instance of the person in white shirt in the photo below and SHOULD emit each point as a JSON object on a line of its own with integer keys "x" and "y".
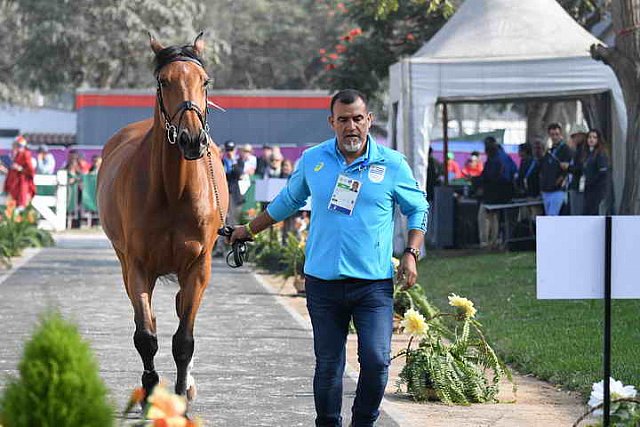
{"x": 45, "y": 162}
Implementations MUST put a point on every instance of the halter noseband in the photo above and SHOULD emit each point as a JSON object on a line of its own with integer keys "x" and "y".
{"x": 172, "y": 130}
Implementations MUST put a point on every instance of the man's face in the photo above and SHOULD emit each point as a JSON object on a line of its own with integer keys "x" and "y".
{"x": 555, "y": 135}
{"x": 351, "y": 123}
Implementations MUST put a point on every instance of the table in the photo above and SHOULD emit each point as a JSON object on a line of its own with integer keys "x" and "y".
{"x": 505, "y": 209}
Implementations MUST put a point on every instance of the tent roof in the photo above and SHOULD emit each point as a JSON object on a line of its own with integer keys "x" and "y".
{"x": 499, "y": 30}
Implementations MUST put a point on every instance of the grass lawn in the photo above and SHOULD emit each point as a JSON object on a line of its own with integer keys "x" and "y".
{"x": 557, "y": 341}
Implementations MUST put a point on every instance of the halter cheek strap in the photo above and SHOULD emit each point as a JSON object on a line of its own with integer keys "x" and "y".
{"x": 172, "y": 130}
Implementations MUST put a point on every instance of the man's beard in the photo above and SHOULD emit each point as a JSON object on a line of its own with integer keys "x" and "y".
{"x": 352, "y": 145}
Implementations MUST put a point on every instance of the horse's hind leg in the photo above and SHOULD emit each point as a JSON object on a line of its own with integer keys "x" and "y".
{"x": 192, "y": 287}
{"x": 140, "y": 289}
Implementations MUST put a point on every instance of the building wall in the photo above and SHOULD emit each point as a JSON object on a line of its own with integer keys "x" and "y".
{"x": 253, "y": 119}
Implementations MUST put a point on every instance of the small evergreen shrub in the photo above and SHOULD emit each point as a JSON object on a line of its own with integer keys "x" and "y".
{"x": 58, "y": 384}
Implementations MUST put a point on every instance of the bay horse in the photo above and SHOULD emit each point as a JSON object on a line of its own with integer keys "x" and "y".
{"x": 162, "y": 195}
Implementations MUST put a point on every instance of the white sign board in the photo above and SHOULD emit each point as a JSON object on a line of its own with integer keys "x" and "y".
{"x": 268, "y": 189}
{"x": 570, "y": 257}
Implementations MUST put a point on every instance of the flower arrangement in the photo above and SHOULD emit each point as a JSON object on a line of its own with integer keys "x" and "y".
{"x": 454, "y": 366}
{"x": 624, "y": 409}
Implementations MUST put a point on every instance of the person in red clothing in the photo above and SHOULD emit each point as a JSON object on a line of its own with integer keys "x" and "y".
{"x": 473, "y": 166}
{"x": 19, "y": 184}
{"x": 453, "y": 168}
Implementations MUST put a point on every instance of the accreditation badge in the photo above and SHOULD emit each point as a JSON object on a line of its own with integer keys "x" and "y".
{"x": 345, "y": 195}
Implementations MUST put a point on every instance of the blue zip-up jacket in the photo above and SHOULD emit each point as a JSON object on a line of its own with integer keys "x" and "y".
{"x": 359, "y": 245}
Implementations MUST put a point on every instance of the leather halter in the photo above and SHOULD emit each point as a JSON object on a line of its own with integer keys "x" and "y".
{"x": 172, "y": 130}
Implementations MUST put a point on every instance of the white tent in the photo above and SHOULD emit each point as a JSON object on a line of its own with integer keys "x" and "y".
{"x": 499, "y": 50}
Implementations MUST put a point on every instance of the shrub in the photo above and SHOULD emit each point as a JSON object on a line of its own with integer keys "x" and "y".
{"x": 19, "y": 231}
{"x": 58, "y": 384}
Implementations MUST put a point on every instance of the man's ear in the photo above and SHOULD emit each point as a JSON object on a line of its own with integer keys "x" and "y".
{"x": 330, "y": 120}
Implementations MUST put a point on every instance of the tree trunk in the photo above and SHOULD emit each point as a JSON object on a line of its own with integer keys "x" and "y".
{"x": 624, "y": 59}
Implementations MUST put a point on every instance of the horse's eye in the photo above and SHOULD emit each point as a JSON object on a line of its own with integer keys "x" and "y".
{"x": 163, "y": 83}
{"x": 207, "y": 82}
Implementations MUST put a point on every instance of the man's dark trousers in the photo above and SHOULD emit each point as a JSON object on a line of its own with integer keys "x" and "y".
{"x": 331, "y": 305}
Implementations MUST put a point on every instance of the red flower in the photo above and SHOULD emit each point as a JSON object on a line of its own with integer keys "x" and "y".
{"x": 322, "y": 51}
{"x": 340, "y": 48}
{"x": 411, "y": 37}
{"x": 323, "y": 59}
{"x": 333, "y": 56}
{"x": 355, "y": 32}
{"x": 330, "y": 67}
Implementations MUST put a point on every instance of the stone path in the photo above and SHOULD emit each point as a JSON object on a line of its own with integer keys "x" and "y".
{"x": 253, "y": 361}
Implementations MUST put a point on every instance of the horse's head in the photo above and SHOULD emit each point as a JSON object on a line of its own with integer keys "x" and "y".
{"x": 182, "y": 95}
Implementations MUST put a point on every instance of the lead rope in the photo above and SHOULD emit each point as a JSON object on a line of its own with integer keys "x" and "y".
{"x": 239, "y": 247}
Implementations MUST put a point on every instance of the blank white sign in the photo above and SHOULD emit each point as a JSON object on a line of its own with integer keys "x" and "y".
{"x": 570, "y": 257}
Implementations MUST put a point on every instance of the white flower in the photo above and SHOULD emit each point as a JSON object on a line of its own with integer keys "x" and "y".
{"x": 413, "y": 323}
{"x": 617, "y": 390}
{"x": 396, "y": 263}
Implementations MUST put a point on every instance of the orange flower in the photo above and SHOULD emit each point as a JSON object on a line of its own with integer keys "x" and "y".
{"x": 31, "y": 217}
{"x": 18, "y": 218}
{"x": 11, "y": 206}
{"x": 167, "y": 409}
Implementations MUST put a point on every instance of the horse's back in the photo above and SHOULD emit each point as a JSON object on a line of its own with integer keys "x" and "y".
{"x": 116, "y": 155}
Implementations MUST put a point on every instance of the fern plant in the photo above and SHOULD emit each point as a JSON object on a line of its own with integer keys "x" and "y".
{"x": 58, "y": 384}
{"x": 454, "y": 365}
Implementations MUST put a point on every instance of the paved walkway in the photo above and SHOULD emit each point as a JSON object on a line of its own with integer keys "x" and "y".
{"x": 253, "y": 361}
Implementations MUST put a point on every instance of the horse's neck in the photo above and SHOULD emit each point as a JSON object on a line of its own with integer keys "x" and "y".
{"x": 171, "y": 175}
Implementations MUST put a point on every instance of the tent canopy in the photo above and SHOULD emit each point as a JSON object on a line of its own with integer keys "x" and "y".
{"x": 492, "y": 50}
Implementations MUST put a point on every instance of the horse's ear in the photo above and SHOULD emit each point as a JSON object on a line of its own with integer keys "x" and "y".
{"x": 155, "y": 44}
{"x": 198, "y": 44}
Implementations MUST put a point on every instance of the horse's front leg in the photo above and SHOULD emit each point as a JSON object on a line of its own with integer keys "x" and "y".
{"x": 140, "y": 289}
{"x": 192, "y": 286}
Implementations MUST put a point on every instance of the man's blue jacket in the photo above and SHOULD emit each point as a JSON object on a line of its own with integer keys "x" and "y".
{"x": 359, "y": 245}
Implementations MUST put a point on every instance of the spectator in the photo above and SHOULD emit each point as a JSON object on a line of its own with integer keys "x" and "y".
{"x": 77, "y": 163}
{"x": 577, "y": 142}
{"x": 233, "y": 168}
{"x": 528, "y": 182}
{"x": 473, "y": 166}
{"x": 434, "y": 175}
{"x": 262, "y": 164}
{"x": 275, "y": 165}
{"x": 595, "y": 172}
{"x": 553, "y": 171}
{"x": 286, "y": 169}
{"x": 45, "y": 162}
{"x": 19, "y": 184}
{"x": 250, "y": 162}
{"x": 96, "y": 162}
{"x": 453, "y": 168}
{"x": 497, "y": 187}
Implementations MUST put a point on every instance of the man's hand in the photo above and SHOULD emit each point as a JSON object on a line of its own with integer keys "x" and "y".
{"x": 407, "y": 271}
{"x": 239, "y": 233}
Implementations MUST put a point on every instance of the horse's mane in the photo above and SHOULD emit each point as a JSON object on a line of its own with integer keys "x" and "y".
{"x": 169, "y": 54}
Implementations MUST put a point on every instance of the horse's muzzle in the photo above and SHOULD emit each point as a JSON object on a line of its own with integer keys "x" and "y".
{"x": 193, "y": 146}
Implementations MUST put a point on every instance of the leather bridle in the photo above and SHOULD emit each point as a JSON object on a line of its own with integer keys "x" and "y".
{"x": 172, "y": 130}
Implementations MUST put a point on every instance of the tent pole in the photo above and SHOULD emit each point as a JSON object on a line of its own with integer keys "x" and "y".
{"x": 445, "y": 142}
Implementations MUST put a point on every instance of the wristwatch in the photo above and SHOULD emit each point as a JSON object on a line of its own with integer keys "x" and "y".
{"x": 413, "y": 251}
